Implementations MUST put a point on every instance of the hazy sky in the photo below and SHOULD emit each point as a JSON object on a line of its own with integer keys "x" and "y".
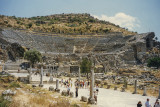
{"x": 136, "y": 15}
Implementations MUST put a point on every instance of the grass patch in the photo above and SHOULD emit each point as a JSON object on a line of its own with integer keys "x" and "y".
{"x": 3, "y": 102}
{"x": 14, "y": 85}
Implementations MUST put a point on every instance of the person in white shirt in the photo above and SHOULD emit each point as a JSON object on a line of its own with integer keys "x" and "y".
{"x": 147, "y": 103}
{"x": 157, "y": 104}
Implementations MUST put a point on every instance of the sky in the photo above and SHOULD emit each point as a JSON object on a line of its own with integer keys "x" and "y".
{"x": 136, "y": 15}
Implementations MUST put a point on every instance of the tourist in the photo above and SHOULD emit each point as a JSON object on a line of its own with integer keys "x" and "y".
{"x": 76, "y": 91}
{"x": 88, "y": 83}
{"x": 85, "y": 84}
{"x": 139, "y": 104}
{"x": 81, "y": 84}
{"x": 65, "y": 83}
{"x": 155, "y": 103}
{"x": 68, "y": 89}
{"x": 61, "y": 82}
{"x": 71, "y": 83}
{"x": 147, "y": 103}
{"x": 95, "y": 97}
{"x": 97, "y": 88}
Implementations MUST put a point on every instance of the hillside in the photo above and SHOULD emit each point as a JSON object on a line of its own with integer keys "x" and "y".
{"x": 68, "y": 24}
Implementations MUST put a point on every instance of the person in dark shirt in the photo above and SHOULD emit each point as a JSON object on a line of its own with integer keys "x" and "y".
{"x": 76, "y": 91}
{"x": 139, "y": 104}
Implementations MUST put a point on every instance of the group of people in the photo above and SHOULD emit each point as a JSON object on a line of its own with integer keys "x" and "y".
{"x": 82, "y": 83}
{"x": 66, "y": 83}
{"x": 79, "y": 84}
{"x": 147, "y": 104}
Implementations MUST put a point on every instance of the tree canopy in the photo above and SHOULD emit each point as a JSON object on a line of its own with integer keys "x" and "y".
{"x": 85, "y": 65}
{"x": 154, "y": 62}
{"x": 33, "y": 56}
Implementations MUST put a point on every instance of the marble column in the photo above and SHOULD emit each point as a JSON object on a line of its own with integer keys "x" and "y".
{"x": 51, "y": 74}
{"x": 135, "y": 87}
{"x": 3, "y": 67}
{"x": 144, "y": 92}
{"x": 79, "y": 74}
{"x": 30, "y": 73}
{"x": 57, "y": 84}
{"x": 159, "y": 92}
{"x": 41, "y": 77}
{"x": 91, "y": 99}
{"x": 79, "y": 70}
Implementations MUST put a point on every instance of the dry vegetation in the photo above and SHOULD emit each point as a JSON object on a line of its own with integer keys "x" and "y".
{"x": 68, "y": 24}
{"x": 26, "y": 96}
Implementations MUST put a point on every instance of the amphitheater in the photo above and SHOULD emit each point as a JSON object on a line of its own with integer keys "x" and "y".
{"x": 110, "y": 50}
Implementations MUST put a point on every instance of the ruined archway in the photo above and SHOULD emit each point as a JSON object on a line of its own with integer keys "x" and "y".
{"x": 148, "y": 44}
{"x": 135, "y": 54}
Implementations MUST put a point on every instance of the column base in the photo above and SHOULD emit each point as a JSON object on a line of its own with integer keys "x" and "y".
{"x": 134, "y": 92}
{"x": 51, "y": 79}
{"x": 57, "y": 90}
{"x": 91, "y": 100}
{"x": 40, "y": 85}
{"x": 144, "y": 94}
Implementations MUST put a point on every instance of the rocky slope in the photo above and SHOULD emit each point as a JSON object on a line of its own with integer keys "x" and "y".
{"x": 68, "y": 24}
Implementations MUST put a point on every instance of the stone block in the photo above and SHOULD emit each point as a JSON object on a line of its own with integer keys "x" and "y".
{"x": 8, "y": 92}
{"x": 115, "y": 88}
{"x": 51, "y": 88}
{"x": 123, "y": 89}
{"x": 83, "y": 98}
{"x": 108, "y": 86}
{"x": 101, "y": 86}
{"x": 57, "y": 90}
{"x": 40, "y": 85}
{"x": 105, "y": 83}
{"x": 64, "y": 93}
{"x": 33, "y": 86}
{"x": 71, "y": 94}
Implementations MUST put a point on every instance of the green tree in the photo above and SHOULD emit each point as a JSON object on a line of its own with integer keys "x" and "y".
{"x": 33, "y": 56}
{"x": 154, "y": 62}
{"x": 29, "y": 25}
{"x": 85, "y": 66}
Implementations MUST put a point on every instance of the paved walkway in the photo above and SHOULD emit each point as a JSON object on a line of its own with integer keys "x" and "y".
{"x": 111, "y": 98}
{"x": 106, "y": 97}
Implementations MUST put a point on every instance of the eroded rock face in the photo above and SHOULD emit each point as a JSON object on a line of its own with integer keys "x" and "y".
{"x": 8, "y": 50}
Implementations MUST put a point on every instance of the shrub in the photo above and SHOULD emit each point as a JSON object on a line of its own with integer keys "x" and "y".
{"x": 86, "y": 66}
{"x": 33, "y": 56}
{"x": 3, "y": 102}
{"x": 29, "y": 25}
{"x": 154, "y": 62}
{"x": 14, "y": 85}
